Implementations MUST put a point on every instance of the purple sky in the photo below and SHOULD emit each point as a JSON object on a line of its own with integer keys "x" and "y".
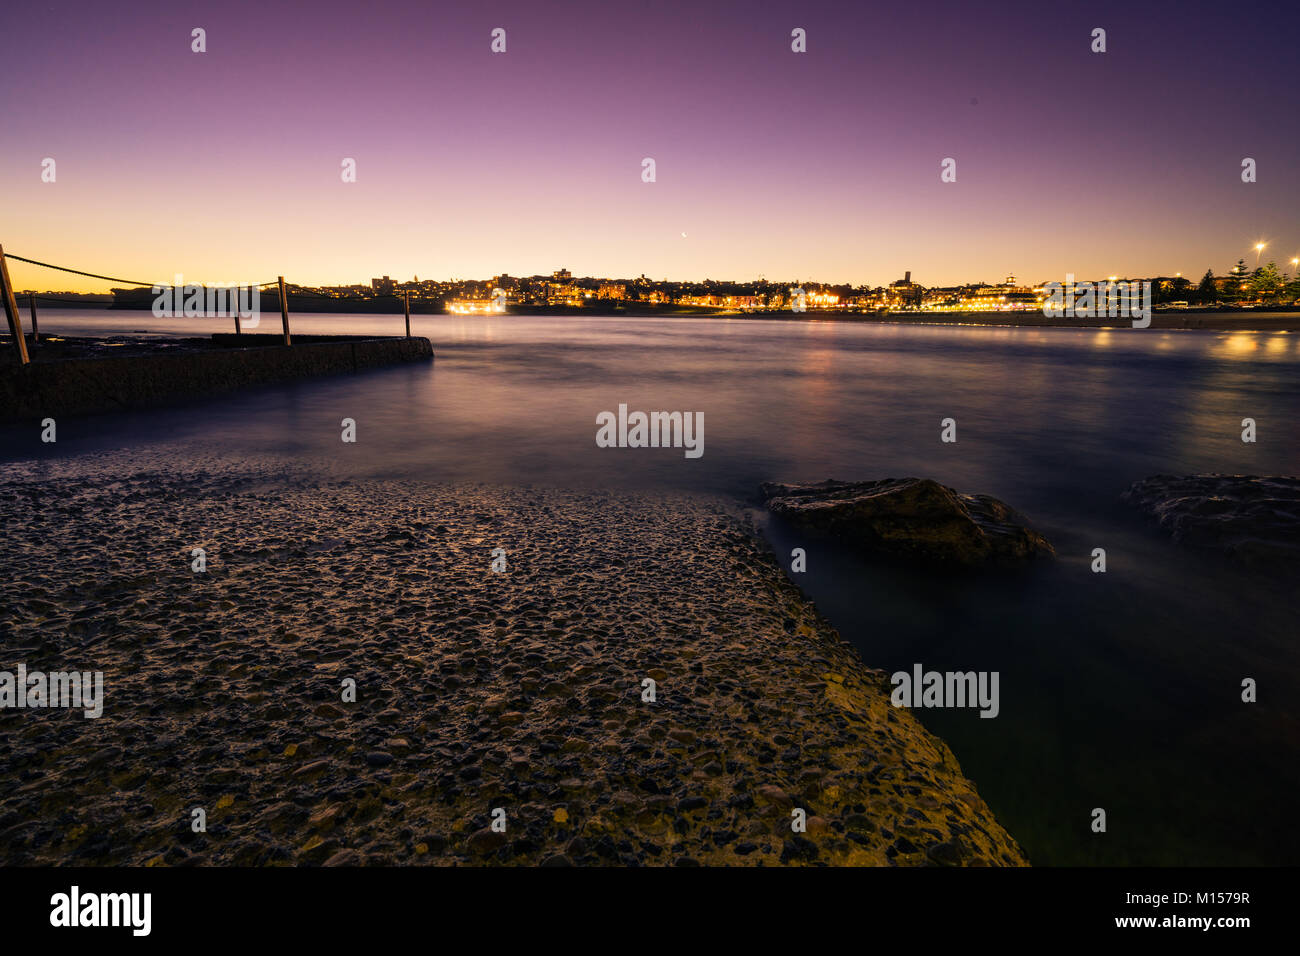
{"x": 225, "y": 166}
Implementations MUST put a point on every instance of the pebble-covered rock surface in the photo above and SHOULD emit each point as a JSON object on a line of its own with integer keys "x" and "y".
{"x": 475, "y": 690}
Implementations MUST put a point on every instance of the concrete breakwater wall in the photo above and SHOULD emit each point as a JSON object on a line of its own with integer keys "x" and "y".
{"x": 225, "y": 363}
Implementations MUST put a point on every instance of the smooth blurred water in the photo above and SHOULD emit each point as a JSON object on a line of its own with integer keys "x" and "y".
{"x": 1118, "y": 690}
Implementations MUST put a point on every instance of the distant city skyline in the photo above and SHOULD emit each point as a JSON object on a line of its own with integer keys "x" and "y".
{"x": 225, "y": 165}
{"x": 1286, "y": 267}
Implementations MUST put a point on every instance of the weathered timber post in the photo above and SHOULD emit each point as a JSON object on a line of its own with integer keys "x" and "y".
{"x": 11, "y": 310}
{"x": 406, "y": 301}
{"x": 284, "y": 312}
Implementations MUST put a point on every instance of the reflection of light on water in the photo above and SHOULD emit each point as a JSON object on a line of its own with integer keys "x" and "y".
{"x": 1241, "y": 343}
{"x": 817, "y": 361}
{"x": 1102, "y": 339}
{"x": 1256, "y": 345}
{"x": 1276, "y": 343}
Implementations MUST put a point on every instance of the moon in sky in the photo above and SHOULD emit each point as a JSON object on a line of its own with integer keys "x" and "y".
{"x": 683, "y": 235}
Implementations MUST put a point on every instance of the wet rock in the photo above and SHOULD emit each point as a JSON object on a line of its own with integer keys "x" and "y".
{"x": 913, "y": 518}
{"x": 486, "y": 841}
{"x": 799, "y": 849}
{"x": 772, "y": 795}
{"x": 818, "y": 826}
{"x": 312, "y": 769}
{"x": 944, "y": 854}
{"x": 324, "y": 819}
{"x": 1255, "y": 520}
{"x": 108, "y": 755}
{"x": 434, "y": 842}
{"x": 345, "y": 858}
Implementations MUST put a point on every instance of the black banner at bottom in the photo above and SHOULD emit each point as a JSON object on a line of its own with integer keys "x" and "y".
{"x": 331, "y": 906}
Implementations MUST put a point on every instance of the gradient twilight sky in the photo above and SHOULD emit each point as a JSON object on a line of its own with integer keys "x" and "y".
{"x": 819, "y": 166}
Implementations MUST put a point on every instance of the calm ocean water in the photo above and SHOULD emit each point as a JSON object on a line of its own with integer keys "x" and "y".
{"x": 1118, "y": 690}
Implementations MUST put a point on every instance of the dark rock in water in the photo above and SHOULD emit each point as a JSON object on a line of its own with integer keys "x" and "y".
{"x": 1254, "y": 519}
{"x": 915, "y": 518}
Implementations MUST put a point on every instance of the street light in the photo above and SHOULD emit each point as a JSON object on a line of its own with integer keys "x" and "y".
{"x": 1259, "y": 247}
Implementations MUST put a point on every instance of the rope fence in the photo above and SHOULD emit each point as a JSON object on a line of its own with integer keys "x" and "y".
{"x": 92, "y": 275}
{"x": 15, "y": 318}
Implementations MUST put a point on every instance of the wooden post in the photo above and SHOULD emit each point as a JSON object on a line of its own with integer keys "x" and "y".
{"x": 284, "y": 312}
{"x": 36, "y": 328}
{"x": 406, "y": 301}
{"x": 11, "y": 310}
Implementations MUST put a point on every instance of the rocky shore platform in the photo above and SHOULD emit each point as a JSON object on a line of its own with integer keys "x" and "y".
{"x": 518, "y": 691}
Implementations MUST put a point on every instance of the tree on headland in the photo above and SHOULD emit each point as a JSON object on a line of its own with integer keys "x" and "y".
{"x": 1291, "y": 291}
{"x": 1239, "y": 276}
{"x": 1267, "y": 281}
{"x": 1171, "y": 290}
{"x": 1207, "y": 291}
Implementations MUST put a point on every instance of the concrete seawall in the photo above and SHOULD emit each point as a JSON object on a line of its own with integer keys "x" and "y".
{"x": 227, "y": 362}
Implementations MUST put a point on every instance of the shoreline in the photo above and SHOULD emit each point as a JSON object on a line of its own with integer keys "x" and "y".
{"x": 1221, "y": 321}
{"x": 475, "y": 690}
{"x": 1281, "y": 319}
